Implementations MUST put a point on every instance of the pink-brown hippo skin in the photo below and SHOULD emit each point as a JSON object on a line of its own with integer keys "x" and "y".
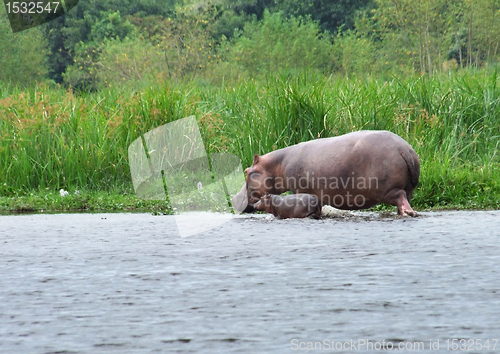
{"x": 351, "y": 172}
{"x": 290, "y": 206}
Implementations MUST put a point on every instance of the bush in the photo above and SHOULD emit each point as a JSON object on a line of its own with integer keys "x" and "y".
{"x": 275, "y": 44}
{"x": 128, "y": 61}
{"x": 354, "y": 53}
{"x": 23, "y": 56}
{"x": 109, "y": 29}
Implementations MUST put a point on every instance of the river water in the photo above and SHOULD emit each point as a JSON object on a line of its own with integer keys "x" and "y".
{"x": 128, "y": 283}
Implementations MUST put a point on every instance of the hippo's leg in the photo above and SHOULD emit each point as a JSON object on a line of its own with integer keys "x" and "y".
{"x": 398, "y": 198}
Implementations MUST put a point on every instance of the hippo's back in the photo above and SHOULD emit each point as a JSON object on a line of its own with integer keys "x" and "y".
{"x": 372, "y": 140}
{"x": 382, "y": 159}
{"x": 366, "y": 147}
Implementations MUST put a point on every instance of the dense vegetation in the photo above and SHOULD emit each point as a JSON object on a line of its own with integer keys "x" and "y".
{"x": 53, "y": 139}
{"x": 98, "y": 44}
{"x": 258, "y": 76}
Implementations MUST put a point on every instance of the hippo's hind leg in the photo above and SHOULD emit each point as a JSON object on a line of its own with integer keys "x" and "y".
{"x": 398, "y": 198}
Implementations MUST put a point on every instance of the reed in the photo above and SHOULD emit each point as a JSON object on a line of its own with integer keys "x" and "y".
{"x": 51, "y": 138}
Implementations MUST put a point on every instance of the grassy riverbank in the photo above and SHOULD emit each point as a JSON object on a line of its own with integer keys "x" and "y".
{"x": 104, "y": 201}
{"x": 84, "y": 201}
{"x": 52, "y": 139}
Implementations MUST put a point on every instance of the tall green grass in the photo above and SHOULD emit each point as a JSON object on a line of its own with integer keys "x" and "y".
{"x": 51, "y": 138}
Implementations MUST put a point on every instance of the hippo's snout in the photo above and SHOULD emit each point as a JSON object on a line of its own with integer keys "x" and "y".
{"x": 250, "y": 208}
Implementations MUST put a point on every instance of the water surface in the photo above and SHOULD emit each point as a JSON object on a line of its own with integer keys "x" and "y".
{"x": 127, "y": 283}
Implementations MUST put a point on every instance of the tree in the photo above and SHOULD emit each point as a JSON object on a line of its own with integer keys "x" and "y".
{"x": 331, "y": 14}
{"x": 412, "y": 33}
{"x": 276, "y": 43}
{"x": 249, "y": 8}
{"x": 23, "y": 56}
{"x": 82, "y": 74}
{"x": 477, "y": 31}
{"x": 65, "y": 33}
{"x": 185, "y": 41}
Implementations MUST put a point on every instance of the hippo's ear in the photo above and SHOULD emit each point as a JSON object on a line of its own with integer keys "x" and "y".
{"x": 256, "y": 159}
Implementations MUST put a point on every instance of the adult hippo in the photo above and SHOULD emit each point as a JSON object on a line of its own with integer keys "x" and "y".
{"x": 352, "y": 171}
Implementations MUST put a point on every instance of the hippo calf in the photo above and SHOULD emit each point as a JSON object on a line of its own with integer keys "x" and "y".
{"x": 350, "y": 172}
{"x": 290, "y": 206}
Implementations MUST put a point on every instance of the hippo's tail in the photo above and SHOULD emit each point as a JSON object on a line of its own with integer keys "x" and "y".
{"x": 413, "y": 164}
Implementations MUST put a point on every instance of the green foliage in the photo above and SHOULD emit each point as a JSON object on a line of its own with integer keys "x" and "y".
{"x": 227, "y": 22}
{"x": 331, "y": 15}
{"x": 232, "y": 15}
{"x": 254, "y": 72}
{"x": 413, "y": 33}
{"x": 280, "y": 44}
{"x": 129, "y": 61}
{"x": 85, "y": 71}
{"x": 185, "y": 41}
{"x": 354, "y": 53}
{"x": 425, "y": 35}
{"x": 65, "y": 33}
{"x": 261, "y": 116}
{"x": 23, "y": 56}
{"x": 249, "y": 7}
{"x": 197, "y": 40}
{"x": 46, "y": 200}
{"x": 53, "y": 139}
{"x": 110, "y": 26}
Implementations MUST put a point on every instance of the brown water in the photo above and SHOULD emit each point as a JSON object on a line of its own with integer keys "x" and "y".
{"x": 127, "y": 283}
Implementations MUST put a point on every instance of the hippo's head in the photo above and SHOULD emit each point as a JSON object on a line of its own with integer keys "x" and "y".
{"x": 259, "y": 180}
